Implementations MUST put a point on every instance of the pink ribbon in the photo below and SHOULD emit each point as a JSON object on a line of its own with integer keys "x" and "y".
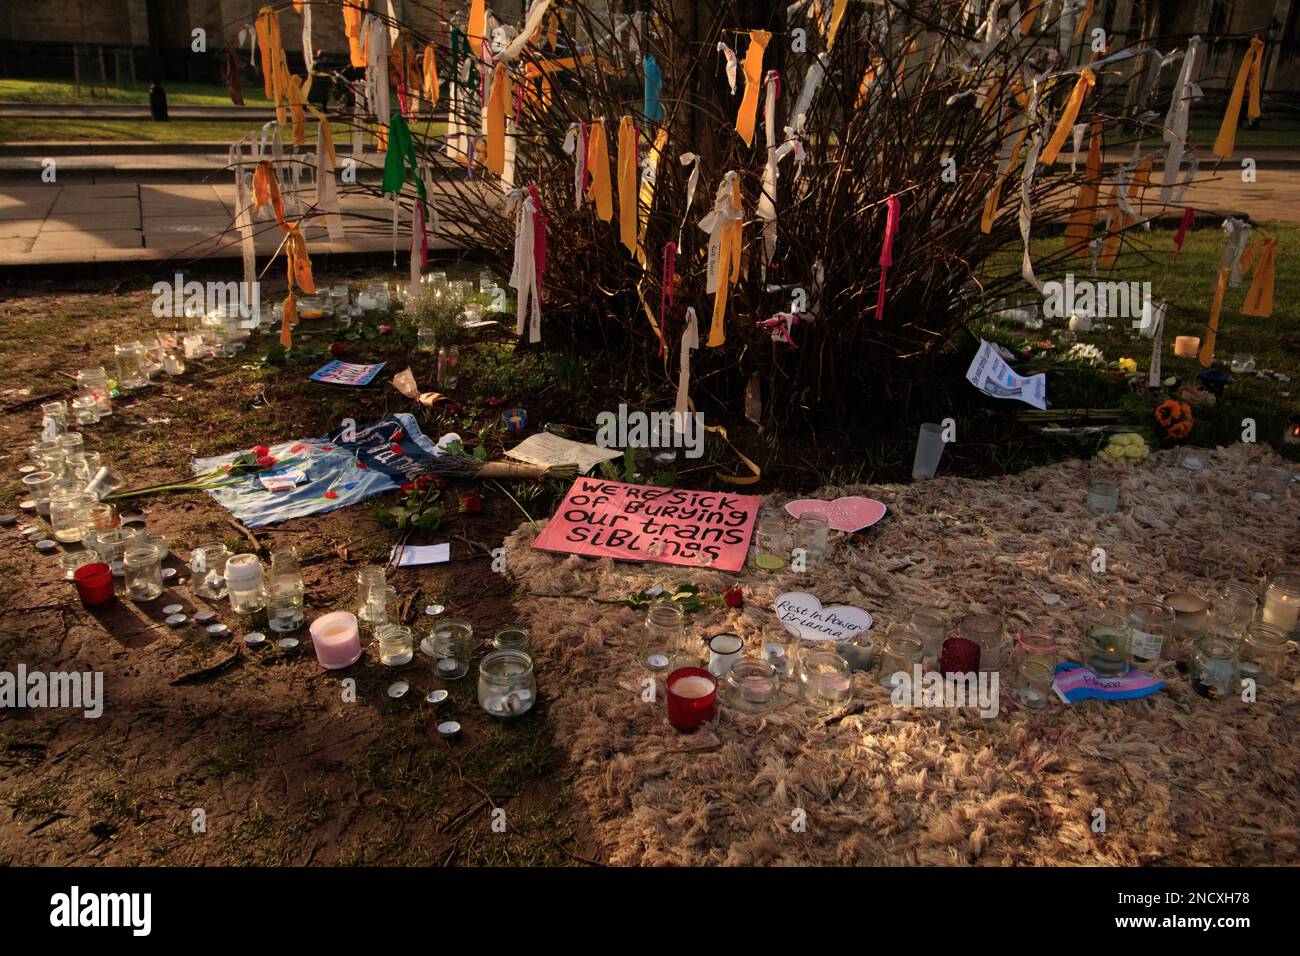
{"x": 887, "y": 253}
{"x": 1189, "y": 217}
{"x": 666, "y": 290}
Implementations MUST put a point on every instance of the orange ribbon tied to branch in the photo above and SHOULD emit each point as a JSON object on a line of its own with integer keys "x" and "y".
{"x": 598, "y": 169}
{"x": 1087, "y": 80}
{"x": 753, "y": 67}
{"x": 353, "y": 14}
{"x": 1078, "y": 231}
{"x": 1212, "y": 326}
{"x": 627, "y": 182}
{"x": 1247, "y": 76}
{"x": 498, "y": 100}
{"x": 1259, "y": 297}
{"x": 431, "y": 76}
{"x": 476, "y": 27}
{"x": 275, "y": 70}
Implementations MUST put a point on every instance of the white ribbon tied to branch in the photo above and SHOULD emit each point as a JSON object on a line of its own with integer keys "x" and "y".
{"x": 523, "y": 275}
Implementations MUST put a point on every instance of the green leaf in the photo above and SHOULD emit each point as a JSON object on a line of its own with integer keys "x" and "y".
{"x": 629, "y": 463}
{"x": 480, "y": 452}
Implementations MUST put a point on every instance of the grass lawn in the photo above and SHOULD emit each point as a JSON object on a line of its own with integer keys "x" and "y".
{"x": 15, "y": 130}
{"x": 178, "y": 94}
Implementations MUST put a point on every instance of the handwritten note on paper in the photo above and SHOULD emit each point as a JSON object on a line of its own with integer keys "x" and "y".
{"x": 644, "y": 523}
{"x": 990, "y": 373}
{"x": 547, "y": 449}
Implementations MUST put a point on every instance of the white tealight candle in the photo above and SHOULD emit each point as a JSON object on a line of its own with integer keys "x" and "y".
{"x": 692, "y": 686}
{"x": 1281, "y": 609}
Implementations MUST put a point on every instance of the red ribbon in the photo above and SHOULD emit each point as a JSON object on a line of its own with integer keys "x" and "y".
{"x": 1189, "y": 217}
{"x": 887, "y": 253}
{"x": 540, "y": 222}
{"x": 666, "y": 290}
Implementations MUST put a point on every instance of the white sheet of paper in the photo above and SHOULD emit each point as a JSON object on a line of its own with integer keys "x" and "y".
{"x": 990, "y": 373}
{"x": 405, "y": 556}
{"x": 547, "y": 449}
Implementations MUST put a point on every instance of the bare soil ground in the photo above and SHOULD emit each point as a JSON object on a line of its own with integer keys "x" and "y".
{"x": 283, "y": 769}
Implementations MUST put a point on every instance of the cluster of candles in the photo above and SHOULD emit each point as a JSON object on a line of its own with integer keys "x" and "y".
{"x": 1239, "y": 632}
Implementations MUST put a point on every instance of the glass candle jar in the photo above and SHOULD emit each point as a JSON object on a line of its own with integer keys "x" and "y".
{"x": 396, "y": 644}
{"x": 691, "y": 697}
{"x": 959, "y": 655}
{"x": 1262, "y": 655}
{"x": 37, "y": 486}
{"x": 76, "y": 559}
{"x": 244, "y": 583}
{"x": 54, "y": 419}
{"x": 73, "y": 444}
{"x": 174, "y": 360}
{"x": 85, "y": 411}
{"x": 1191, "y": 614}
{"x": 284, "y": 604}
{"x": 511, "y": 638}
{"x": 151, "y": 359}
{"x": 368, "y": 579}
{"x": 860, "y": 650}
{"x": 130, "y": 366}
{"x": 506, "y": 684}
{"x": 986, "y": 631}
{"x": 1033, "y": 683}
{"x": 1152, "y": 624}
{"x": 1036, "y": 646}
{"x": 1281, "y": 600}
{"x": 825, "y": 680}
{"x": 1272, "y": 484}
{"x": 142, "y": 566}
{"x": 285, "y": 565}
{"x": 902, "y": 651}
{"x": 103, "y": 516}
{"x": 93, "y": 383}
{"x": 1103, "y": 496}
{"x": 453, "y": 641}
{"x": 1109, "y": 642}
{"x": 208, "y": 565}
{"x": 70, "y": 514}
{"x": 111, "y": 545}
{"x": 380, "y": 607}
{"x": 665, "y": 627}
{"x": 812, "y": 535}
{"x": 929, "y": 625}
{"x": 751, "y": 686}
{"x": 771, "y": 542}
{"x": 778, "y": 644}
{"x": 1215, "y": 669}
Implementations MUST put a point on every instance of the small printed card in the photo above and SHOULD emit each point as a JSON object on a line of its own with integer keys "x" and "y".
{"x": 346, "y": 373}
{"x": 284, "y": 480}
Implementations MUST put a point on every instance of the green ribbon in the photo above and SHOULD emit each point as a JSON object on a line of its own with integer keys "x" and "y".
{"x": 401, "y": 161}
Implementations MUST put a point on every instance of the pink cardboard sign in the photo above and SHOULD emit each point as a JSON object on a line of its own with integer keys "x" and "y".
{"x": 843, "y": 514}
{"x": 643, "y": 523}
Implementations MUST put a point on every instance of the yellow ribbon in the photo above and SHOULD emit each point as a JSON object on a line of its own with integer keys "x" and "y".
{"x": 837, "y": 14}
{"x": 1212, "y": 328}
{"x": 627, "y": 184}
{"x": 1078, "y": 232}
{"x": 431, "y": 75}
{"x": 753, "y": 66}
{"x": 994, "y": 198}
{"x": 498, "y": 103}
{"x": 1083, "y": 20}
{"x": 275, "y": 70}
{"x": 297, "y": 100}
{"x": 1259, "y": 297}
{"x": 1027, "y": 21}
{"x": 598, "y": 168}
{"x": 1087, "y": 79}
{"x": 647, "y": 195}
{"x": 733, "y": 479}
{"x": 1248, "y": 74}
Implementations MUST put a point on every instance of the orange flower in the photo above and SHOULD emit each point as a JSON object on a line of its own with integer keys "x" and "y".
{"x": 1175, "y": 418}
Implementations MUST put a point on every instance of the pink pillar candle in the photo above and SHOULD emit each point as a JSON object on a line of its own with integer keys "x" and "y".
{"x": 336, "y": 639}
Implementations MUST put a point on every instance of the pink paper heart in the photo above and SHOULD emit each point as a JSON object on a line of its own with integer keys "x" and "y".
{"x": 844, "y": 514}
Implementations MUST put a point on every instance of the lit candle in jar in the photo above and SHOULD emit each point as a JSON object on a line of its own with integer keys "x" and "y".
{"x": 1282, "y": 602}
{"x": 1186, "y": 346}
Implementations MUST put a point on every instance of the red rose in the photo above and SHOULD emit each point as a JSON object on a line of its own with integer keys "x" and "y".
{"x": 397, "y": 435}
{"x": 336, "y": 349}
{"x": 385, "y": 330}
{"x": 362, "y": 465}
{"x": 395, "y": 448}
{"x": 331, "y": 494}
{"x": 733, "y": 596}
{"x": 409, "y": 486}
{"x": 260, "y": 450}
{"x": 470, "y": 503}
{"x": 423, "y": 481}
